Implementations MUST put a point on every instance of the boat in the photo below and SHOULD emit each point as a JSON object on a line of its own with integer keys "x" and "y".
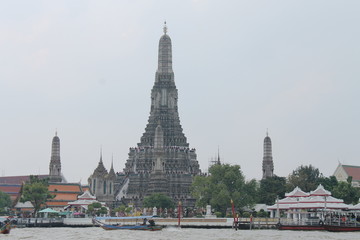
{"x": 5, "y": 226}
{"x": 343, "y": 224}
{"x": 127, "y": 223}
{"x": 311, "y": 224}
{"x": 337, "y": 228}
{"x": 301, "y": 227}
{"x": 331, "y": 224}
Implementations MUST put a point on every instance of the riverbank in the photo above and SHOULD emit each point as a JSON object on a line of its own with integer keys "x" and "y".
{"x": 257, "y": 223}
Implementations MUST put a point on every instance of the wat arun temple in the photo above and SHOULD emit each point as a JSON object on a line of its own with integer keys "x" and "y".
{"x": 162, "y": 162}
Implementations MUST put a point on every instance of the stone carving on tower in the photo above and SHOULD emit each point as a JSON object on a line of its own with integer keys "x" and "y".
{"x": 268, "y": 164}
{"x": 55, "y": 163}
{"x": 162, "y": 162}
{"x": 158, "y": 182}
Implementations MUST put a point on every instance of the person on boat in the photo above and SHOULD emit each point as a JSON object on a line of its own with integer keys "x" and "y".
{"x": 6, "y": 221}
{"x": 144, "y": 221}
{"x": 152, "y": 222}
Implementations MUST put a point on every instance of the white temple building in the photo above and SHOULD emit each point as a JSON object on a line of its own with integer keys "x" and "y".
{"x": 299, "y": 204}
{"x": 82, "y": 203}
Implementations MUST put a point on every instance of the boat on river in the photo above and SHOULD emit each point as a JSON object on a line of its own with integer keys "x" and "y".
{"x": 5, "y": 229}
{"x": 6, "y": 224}
{"x": 343, "y": 223}
{"x": 144, "y": 223}
{"x": 302, "y": 227}
{"x": 311, "y": 224}
{"x": 345, "y": 228}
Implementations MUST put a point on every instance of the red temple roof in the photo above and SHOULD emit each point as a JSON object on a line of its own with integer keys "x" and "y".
{"x": 353, "y": 171}
{"x": 18, "y": 179}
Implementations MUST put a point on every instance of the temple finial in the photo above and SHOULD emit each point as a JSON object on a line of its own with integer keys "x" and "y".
{"x": 100, "y": 153}
{"x": 267, "y": 132}
{"x": 55, "y": 131}
{"x": 112, "y": 160}
{"x": 165, "y": 28}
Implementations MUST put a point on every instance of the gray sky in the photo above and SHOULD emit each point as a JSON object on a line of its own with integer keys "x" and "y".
{"x": 86, "y": 68}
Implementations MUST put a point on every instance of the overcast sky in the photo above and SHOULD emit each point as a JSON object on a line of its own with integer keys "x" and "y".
{"x": 86, "y": 68}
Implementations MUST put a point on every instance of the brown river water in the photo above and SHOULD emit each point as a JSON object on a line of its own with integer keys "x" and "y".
{"x": 171, "y": 234}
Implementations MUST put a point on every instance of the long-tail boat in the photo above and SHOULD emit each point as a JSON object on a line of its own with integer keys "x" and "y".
{"x": 5, "y": 226}
{"x": 144, "y": 223}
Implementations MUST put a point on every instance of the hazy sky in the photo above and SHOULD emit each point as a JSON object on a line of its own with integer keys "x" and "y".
{"x": 86, "y": 68}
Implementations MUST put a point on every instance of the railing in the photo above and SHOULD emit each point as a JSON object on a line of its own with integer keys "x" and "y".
{"x": 335, "y": 221}
{"x": 304, "y": 221}
{"x": 39, "y": 222}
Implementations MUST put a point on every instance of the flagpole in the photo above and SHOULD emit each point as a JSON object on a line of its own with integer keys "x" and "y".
{"x": 179, "y": 213}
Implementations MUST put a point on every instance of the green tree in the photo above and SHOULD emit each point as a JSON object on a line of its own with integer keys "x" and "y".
{"x": 270, "y": 188}
{"x": 5, "y": 202}
{"x": 36, "y": 191}
{"x": 121, "y": 209}
{"x": 224, "y": 182}
{"x": 345, "y": 191}
{"x": 221, "y": 199}
{"x": 201, "y": 191}
{"x": 329, "y": 183}
{"x": 262, "y": 213}
{"x": 305, "y": 177}
{"x": 124, "y": 210}
{"x": 128, "y": 210}
{"x": 249, "y": 194}
{"x": 158, "y": 200}
{"x": 96, "y": 209}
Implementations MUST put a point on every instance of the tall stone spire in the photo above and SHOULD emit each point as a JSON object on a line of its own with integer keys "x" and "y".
{"x": 268, "y": 164}
{"x": 164, "y": 101}
{"x": 100, "y": 171}
{"x": 165, "y": 54}
{"x": 55, "y": 163}
{"x": 162, "y": 162}
{"x": 112, "y": 171}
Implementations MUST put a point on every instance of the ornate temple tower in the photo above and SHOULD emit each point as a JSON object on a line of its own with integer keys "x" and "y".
{"x": 102, "y": 183}
{"x": 162, "y": 162}
{"x": 55, "y": 163}
{"x": 268, "y": 164}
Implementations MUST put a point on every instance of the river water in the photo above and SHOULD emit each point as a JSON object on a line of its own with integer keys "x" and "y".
{"x": 171, "y": 234}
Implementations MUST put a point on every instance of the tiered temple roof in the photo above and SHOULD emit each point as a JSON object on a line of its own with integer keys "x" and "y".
{"x": 12, "y": 184}
{"x": 64, "y": 193}
{"x": 317, "y": 199}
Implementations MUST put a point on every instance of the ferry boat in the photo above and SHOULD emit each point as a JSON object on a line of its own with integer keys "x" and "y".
{"x": 311, "y": 224}
{"x": 347, "y": 222}
{"x": 337, "y": 228}
{"x": 144, "y": 223}
{"x": 340, "y": 223}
